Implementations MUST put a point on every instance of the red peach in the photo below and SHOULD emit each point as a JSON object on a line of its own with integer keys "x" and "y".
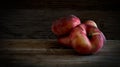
{"x": 96, "y": 38}
{"x": 65, "y": 41}
{"x": 64, "y": 25}
{"x": 86, "y": 39}
{"x": 90, "y": 22}
{"x": 80, "y": 41}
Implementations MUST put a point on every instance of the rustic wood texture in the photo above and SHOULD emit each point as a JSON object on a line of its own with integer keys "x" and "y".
{"x": 36, "y": 23}
{"x": 24, "y": 19}
{"x": 48, "y": 53}
{"x": 58, "y": 4}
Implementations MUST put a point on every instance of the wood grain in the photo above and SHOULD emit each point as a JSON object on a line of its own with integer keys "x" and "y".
{"x": 48, "y": 53}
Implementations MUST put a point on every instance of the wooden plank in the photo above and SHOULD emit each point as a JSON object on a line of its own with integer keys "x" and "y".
{"x": 47, "y": 52}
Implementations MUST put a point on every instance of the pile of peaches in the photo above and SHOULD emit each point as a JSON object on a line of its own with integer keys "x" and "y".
{"x": 84, "y": 37}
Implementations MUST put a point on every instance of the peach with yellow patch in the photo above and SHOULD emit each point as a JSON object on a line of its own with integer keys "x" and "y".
{"x": 86, "y": 39}
{"x": 91, "y": 23}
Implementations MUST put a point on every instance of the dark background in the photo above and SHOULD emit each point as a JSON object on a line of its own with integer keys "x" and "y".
{"x": 24, "y": 23}
{"x": 26, "y": 19}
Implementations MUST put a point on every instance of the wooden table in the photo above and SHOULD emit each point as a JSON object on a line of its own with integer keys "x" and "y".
{"x": 48, "y": 53}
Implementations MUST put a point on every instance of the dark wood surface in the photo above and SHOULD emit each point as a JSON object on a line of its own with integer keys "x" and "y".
{"x": 48, "y": 53}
